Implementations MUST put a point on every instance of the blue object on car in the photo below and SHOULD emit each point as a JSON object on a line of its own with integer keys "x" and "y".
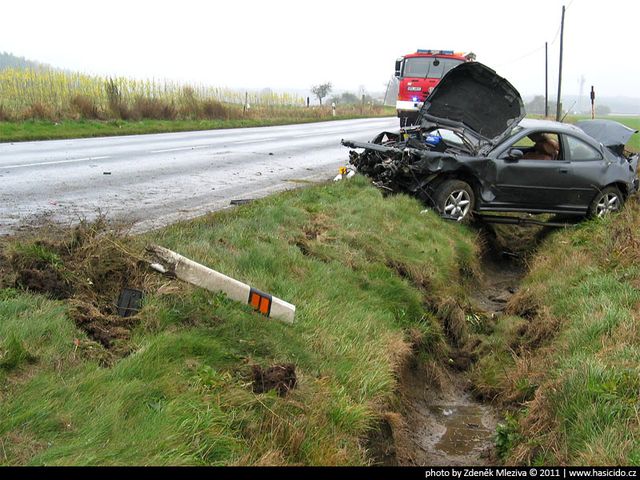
{"x": 433, "y": 140}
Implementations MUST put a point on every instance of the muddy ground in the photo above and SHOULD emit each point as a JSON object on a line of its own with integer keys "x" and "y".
{"x": 443, "y": 423}
{"x": 88, "y": 267}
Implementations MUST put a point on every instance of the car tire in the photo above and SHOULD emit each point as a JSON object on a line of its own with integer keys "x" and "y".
{"x": 455, "y": 199}
{"x": 608, "y": 200}
{"x": 403, "y": 122}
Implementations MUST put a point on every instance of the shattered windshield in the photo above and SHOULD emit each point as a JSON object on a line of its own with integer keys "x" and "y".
{"x": 517, "y": 129}
{"x": 428, "y": 67}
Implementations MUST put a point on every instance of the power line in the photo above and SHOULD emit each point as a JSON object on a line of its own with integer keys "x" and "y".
{"x": 521, "y": 57}
{"x": 541, "y": 47}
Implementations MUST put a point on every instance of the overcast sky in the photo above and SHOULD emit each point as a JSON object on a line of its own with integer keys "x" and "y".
{"x": 285, "y": 44}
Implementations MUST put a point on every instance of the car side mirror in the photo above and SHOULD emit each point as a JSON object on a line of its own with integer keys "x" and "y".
{"x": 398, "y": 67}
{"x": 515, "y": 155}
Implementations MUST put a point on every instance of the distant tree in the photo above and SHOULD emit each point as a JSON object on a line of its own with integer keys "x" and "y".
{"x": 321, "y": 90}
{"x": 536, "y": 105}
{"x": 600, "y": 110}
{"x": 8, "y": 60}
{"x": 346, "y": 98}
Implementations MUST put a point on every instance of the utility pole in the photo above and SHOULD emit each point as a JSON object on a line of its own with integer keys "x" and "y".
{"x": 546, "y": 80}
{"x": 384, "y": 102}
{"x": 560, "y": 68}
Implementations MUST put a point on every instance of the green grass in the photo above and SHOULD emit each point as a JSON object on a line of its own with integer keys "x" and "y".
{"x": 570, "y": 369}
{"x": 47, "y": 130}
{"x": 183, "y": 397}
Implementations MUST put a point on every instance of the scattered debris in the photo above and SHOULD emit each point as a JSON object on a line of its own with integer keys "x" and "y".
{"x": 88, "y": 267}
{"x": 129, "y": 302}
{"x": 189, "y": 271}
{"x": 280, "y": 377}
{"x": 241, "y": 201}
{"x": 344, "y": 172}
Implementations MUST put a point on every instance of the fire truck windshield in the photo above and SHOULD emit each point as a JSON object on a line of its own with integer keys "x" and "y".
{"x": 428, "y": 67}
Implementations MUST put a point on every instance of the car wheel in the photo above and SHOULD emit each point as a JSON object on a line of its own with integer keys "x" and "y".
{"x": 403, "y": 122}
{"x": 608, "y": 200}
{"x": 455, "y": 199}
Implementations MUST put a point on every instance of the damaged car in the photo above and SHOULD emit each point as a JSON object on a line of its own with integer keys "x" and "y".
{"x": 473, "y": 151}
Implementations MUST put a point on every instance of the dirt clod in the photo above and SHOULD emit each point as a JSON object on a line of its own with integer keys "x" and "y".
{"x": 47, "y": 281}
{"x": 104, "y": 329}
{"x": 279, "y": 377}
{"x": 88, "y": 267}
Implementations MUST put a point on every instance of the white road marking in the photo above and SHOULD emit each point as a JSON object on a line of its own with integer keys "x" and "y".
{"x": 255, "y": 141}
{"x": 56, "y": 162}
{"x": 319, "y": 133}
{"x": 179, "y": 149}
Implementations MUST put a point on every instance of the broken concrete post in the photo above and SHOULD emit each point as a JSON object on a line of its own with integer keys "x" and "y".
{"x": 201, "y": 276}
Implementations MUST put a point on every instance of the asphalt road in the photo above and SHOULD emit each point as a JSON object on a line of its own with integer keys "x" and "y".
{"x": 155, "y": 180}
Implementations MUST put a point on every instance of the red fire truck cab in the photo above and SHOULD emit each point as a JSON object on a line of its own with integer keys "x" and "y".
{"x": 418, "y": 73}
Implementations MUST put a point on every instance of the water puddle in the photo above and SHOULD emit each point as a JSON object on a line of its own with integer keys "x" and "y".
{"x": 465, "y": 429}
{"x": 445, "y": 428}
{"x": 444, "y": 424}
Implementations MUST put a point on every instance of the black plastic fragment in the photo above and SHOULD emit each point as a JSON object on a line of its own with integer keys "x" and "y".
{"x": 129, "y": 302}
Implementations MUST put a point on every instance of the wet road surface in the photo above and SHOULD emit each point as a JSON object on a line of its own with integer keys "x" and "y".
{"x": 155, "y": 180}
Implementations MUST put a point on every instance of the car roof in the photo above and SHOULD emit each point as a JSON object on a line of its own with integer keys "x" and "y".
{"x": 530, "y": 125}
{"x": 537, "y": 124}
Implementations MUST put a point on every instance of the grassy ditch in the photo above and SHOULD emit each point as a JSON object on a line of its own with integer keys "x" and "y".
{"x": 29, "y": 130}
{"x": 565, "y": 360}
{"x": 175, "y": 384}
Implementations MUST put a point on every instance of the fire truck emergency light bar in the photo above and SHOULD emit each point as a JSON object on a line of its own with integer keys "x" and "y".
{"x": 436, "y": 52}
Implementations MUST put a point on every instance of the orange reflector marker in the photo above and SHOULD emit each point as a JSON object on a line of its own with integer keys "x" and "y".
{"x": 260, "y": 301}
{"x": 202, "y": 276}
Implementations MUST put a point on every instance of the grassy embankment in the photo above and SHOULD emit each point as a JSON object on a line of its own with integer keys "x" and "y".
{"x": 48, "y": 130}
{"x": 565, "y": 361}
{"x": 173, "y": 385}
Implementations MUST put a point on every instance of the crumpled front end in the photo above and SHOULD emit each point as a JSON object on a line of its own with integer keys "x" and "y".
{"x": 406, "y": 163}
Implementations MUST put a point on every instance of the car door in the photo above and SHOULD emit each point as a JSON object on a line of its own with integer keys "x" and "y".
{"x": 532, "y": 184}
{"x": 588, "y": 168}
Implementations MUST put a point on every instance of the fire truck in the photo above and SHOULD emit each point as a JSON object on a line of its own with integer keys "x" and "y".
{"x": 418, "y": 73}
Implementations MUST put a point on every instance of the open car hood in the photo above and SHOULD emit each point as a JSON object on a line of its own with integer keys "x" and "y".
{"x": 608, "y": 132}
{"x": 473, "y": 97}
